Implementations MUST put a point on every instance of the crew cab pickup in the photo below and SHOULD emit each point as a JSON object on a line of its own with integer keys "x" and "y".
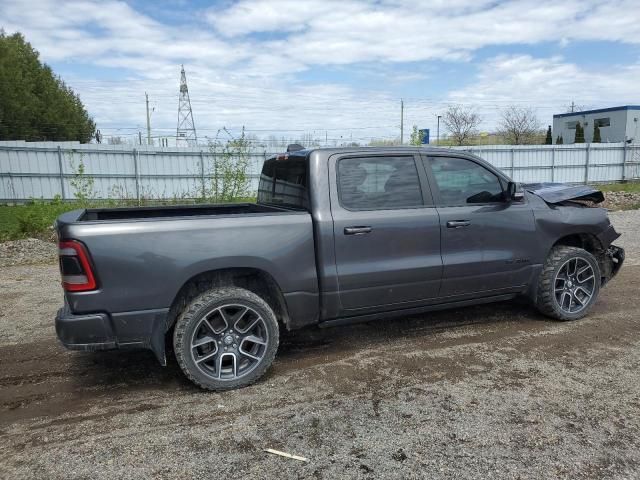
{"x": 336, "y": 236}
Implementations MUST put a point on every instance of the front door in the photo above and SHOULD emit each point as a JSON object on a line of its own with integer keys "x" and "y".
{"x": 386, "y": 232}
{"x": 487, "y": 242}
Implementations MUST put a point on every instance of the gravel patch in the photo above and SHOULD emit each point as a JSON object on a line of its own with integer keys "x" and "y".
{"x": 493, "y": 391}
{"x": 621, "y": 200}
{"x": 28, "y": 251}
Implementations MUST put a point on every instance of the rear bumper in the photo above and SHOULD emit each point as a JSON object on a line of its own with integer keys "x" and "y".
{"x": 85, "y": 332}
{"x": 101, "y": 331}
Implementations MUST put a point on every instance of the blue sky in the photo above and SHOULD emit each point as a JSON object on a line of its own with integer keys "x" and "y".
{"x": 281, "y": 67}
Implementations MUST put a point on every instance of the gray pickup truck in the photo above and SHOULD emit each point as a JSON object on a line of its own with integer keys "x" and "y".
{"x": 336, "y": 236}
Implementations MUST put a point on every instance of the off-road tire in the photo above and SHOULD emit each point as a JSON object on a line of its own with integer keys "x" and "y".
{"x": 189, "y": 319}
{"x": 546, "y": 301}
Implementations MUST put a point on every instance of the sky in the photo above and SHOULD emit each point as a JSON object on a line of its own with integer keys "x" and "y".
{"x": 333, "y": 69}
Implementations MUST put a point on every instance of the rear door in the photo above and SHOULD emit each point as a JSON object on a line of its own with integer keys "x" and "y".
{"x": 386, "y": 231}
{"x": 487, "y": 242}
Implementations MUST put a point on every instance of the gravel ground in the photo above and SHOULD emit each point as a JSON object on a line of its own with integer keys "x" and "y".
{"x": 491, "y": 391}
{"x": 621, "y": 200}
{"x": 27, "y": 252}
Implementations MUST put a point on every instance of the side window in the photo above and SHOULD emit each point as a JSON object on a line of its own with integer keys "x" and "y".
{"x": 378, "y": 183}
{"x": 284, "y": 182}
{"x": 462, "y": 181}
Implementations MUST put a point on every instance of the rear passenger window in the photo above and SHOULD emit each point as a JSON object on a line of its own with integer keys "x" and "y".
{"x": 462, "y": 181}
{"x": 378, "y": 183}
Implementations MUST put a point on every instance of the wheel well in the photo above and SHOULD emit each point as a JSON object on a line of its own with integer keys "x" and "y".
{"x": 590, "y": 243}
{"x": 586, "y": 241}
{"x": 252, "y": 279}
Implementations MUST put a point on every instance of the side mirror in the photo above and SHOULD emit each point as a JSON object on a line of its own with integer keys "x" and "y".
{"x": 514, "y": 194}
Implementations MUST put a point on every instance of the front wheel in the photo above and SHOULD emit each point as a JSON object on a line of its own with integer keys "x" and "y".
{"x": 226, "y": 338}
{"x": 569, "y": 283}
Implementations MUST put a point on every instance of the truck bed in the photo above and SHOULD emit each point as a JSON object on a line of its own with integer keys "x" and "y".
{"x": 143, "y": 256}
{"x": 134, "y": 213}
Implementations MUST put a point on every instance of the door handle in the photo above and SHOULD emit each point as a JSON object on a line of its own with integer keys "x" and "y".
{"x": 357, "y": 230}
{"x": 458, "y": 223}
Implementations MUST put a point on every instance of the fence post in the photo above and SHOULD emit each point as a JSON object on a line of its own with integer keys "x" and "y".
{"x": 61, "y": 171}
{"x": 135, "y": 167}
{"x": 12, "y": 187}
{"x": 204, "y": 193}
{"x": 624, "y": 161}
{"x": 586, "y": 165}
{"x": 553, "y": 164}
{"x": 512, "y": 162}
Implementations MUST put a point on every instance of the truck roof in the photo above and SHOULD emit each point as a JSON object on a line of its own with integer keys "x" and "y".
{"x": 395, "y": 149}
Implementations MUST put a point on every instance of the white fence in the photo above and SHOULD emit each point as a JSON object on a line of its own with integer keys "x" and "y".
{"x": 45, "y": 170}
{"x": 575, "y": 163}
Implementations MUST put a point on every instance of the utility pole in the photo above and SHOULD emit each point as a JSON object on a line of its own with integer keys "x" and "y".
{"x": 401, "y": 121}
{"x": 438, "y": 131}
{"x": 148, "y": 120}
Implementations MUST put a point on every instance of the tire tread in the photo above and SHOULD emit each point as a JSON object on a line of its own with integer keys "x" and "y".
{"x": 545, "y": 301}
{"x": 195, "y": 306}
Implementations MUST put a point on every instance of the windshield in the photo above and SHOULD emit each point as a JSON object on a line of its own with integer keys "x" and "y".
{"x": 284, "y": 182}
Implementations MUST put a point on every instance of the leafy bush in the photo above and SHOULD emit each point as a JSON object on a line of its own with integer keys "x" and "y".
{"x": 229, "y": 174}
{"x": 82, "y": 183}
{"x": 579, "y": 134}
{"x": 597, "y": 138}
{"x": 36, "y": 219}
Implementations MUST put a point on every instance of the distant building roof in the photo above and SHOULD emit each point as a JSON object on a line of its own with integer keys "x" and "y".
{"x": 600, "y": 110}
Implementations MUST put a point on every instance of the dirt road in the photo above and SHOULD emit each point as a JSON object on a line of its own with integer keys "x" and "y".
{"x": 492, "y": 391}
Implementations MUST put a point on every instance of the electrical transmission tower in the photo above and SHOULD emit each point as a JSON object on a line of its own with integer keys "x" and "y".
{"x": 186, "y": 133}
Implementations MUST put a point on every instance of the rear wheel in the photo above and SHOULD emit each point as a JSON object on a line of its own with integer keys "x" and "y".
{"x": 569, "y": 283}
{"x": 226, "y": 338}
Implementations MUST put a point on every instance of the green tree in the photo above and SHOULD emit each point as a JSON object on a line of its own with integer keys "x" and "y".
{"x": 596, "y": 133}
{"x": 549, "y": 139}
{"x": 35, "y": 104}
{"x": 416, "y": 138}
{"x": 579, "y": 134}
{"x": 559, "y": 140}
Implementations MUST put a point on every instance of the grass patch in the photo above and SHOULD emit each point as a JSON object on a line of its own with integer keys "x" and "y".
{"x": 35, "y": 219}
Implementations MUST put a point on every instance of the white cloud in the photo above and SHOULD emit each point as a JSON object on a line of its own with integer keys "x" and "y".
{"x": 241, "y": 59}
{"x": 547, "y": 84}
{"x": 344, "y": 32}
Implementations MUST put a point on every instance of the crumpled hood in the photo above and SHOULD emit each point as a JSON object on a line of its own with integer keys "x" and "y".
{"x": 560, "y": 192}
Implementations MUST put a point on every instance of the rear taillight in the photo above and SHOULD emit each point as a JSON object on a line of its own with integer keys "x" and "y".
{"x": 75, "y": 267}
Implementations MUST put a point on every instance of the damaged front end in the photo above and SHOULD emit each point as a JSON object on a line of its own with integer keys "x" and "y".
{"x": 560, "y": 192}
{"x": 612, "y": 262}
{"x": 587, "y": 228}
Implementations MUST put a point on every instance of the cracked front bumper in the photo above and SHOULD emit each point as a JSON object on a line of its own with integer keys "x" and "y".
{"x": 614, "y": 259}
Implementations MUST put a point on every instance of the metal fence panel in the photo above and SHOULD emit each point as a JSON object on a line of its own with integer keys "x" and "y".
{"x": 576, "y": 163}
{"x": 44, "y": 170}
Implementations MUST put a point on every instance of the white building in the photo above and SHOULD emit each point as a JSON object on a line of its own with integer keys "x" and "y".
{"x": 617, "y": 124}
